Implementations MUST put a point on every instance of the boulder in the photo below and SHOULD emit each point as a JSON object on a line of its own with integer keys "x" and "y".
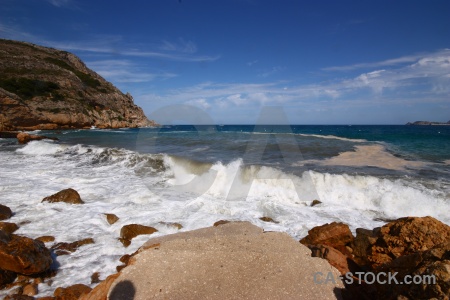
{"x": 398, "y": 238}
{"x": 24, "y": 255}
{"x": 67, "y": 248}
{"x": 128, "y": 232}
{"x": 220, "y": 222}
{"x": 336, "y": 235}
{"x": 73, "y": 292}
{"x": 23, "y": 137}
{"x": 30, "y": 289}
{"x": 70, "y": 196}
{"x": 434, "y": 262}
{"x": 8, "y": 228}
{"x": 101, "y": 290}
{"x": 5, "y": 212}
{"x": 111, "y": 218}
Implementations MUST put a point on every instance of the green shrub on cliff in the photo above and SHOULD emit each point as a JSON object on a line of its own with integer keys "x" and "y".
{"x": 28, "y": 88}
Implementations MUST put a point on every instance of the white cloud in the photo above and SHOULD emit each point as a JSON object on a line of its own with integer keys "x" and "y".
{"x": 180, "y": 46}
{"x": 124, "y": 71}
{"x": 202, "y": 103}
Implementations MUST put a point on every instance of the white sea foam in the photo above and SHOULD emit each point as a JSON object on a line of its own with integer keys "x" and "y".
{"x": 149, "y": 189}
{"x": 334, "y": 137}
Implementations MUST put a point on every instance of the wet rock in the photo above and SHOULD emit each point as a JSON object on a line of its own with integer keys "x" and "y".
{"x": 73, "y": 292}
{"x": 336, "y": 235}
{"x": 315, "y": 202}
{"x": 30, "y": 290}
{"x": 8, "y": 228}
{"x": 268, "y": 219}
{"x": 46, "y": 238}
{"x": 5, "y": 212}
{"x": 220, "y": 222}
{"x": 70, "y": 196}
{"x": 24, "y": 255}
{"x": 95, "y": 277}
{"x": 67, "y": 248}
{"x": 23, "y": 137}
{"x": 111, "y": 218}
{"x": 128, "y": 232}
{"x": 6, "y": 277}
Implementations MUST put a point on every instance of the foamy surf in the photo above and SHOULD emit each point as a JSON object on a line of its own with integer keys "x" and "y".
{"x": 158, "y": 188}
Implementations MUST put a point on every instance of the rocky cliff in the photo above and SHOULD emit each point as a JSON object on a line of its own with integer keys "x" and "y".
{"x": 45, "y": 88}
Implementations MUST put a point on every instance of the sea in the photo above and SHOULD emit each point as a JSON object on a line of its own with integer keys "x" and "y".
{"x": 195, "y": 175}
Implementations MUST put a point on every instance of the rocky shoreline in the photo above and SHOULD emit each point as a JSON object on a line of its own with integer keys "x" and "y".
{"x": 418, "y": 247}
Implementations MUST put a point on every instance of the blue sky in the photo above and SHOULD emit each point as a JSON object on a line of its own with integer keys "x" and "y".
{"x": 324, "y": 62}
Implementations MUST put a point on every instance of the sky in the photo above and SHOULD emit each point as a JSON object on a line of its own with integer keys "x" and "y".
{"x": 322, "y": 62}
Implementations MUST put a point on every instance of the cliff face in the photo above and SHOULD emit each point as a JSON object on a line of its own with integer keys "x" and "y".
{"x": 45, "y": 88}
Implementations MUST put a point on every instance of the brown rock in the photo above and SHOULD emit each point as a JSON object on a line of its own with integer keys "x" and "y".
{"x": 435, "y": 262}
{"x": 5, "y": 212}
{"x": 24, "y": 138}
{"x": 18, "y": 297}
{"x": 336, "y": 235}
{"x": 111, "y": 218}
{"x": 398, "y": 238}
{"x": 24, "y": 255}
{"x": 315, "y": 202}
{"x": 333, "y": 256}
{"x": 6, "y": 277}
{"x": 268, "y": 219}
{"x": 30, "y": 289}
{"x": 46, "y": 238}
{"x": 73, "y": 292}
{"x": 95, "y": 277}
{"x": 100, "y": 291}
{"x": 220, "y": 222}
{"x": 8, "y": 227}
{"x": 128, "y": 232}
{"x": 68, "y": 196}
{"x": 67, "y": 248}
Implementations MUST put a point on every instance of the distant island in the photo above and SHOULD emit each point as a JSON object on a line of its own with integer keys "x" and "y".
{"x": 427, "y": 123}
{"x": 46, "y": 88}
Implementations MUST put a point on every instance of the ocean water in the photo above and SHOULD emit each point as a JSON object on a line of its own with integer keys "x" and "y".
{"x": 197, "y": 175}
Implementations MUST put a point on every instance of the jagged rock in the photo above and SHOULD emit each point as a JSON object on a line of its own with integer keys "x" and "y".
{"x": 44, "y": 88}
{"x": 24, "y": 255}
{"x": 24, "y": 137}
{"x": 434, "y": 262}
{"x": 5, "y": 212}
{"x": 70, "y": 196}
{"x": 18, "y": 297}
{"x": 398, "y": 238}
{"x": 6, "y": 277}
{"x": 67, "y": 248}
{"x": 128, "y": 232}
{"x": 336, "y": 235}
{"x": 73, "y": 292}
{"x": 8, "y": 228}
{"x": 111, "y": 218}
